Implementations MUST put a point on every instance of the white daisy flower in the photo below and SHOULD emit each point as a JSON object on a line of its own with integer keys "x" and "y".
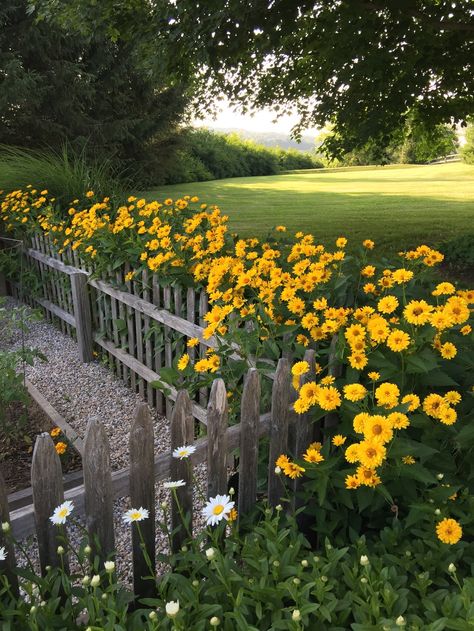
{"x": 174, "y": 484}
{"x": 217, "y": 508}
{"x": 184, "y": 452}
{"x": 135, "y": 514}
{"x": 172, "y": 608}
{"x": 3, "y": 554}
{"x": 62, "y": 512}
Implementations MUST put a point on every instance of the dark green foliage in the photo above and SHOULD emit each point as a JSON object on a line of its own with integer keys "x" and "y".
{"x": 459, "y": 253}
{"x": 205, "y": 155}
{"x": 98, "y": 95}
{"x": 467, "y": 152}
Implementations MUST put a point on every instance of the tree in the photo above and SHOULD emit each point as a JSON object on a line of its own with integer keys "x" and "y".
{"x": 467, "y": 152}
{"x": 359, "y": 64}
{"x": 89, "y": 92}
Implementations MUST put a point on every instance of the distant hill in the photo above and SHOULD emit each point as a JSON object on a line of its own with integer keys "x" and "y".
{"x": 270, "y": 138}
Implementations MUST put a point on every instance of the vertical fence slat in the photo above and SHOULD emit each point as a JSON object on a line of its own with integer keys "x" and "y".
{"x": 123, "y": 317}
{"x": 131, "y": 332}
{"x": 158, "y": 354}
{"x": 47, "y": 490}
{"x": 278, "y": 428}
{"x": 7, "y": 566}
{"x": 217, "y": 440}
{"x": 168, "y": 347}
{"x": 115, "y": 333}
{"x": 148, "y": 347}
{"x": 191, "y": 315}
{"x": 303, "y": 422}
{"x": 82, "y": 315}
{"x": 142, "y": 494}
{"x": 248, "y": 462}
{"x": 98, "y": 489}
{"x": 182, "y": 433}
{"x": 139, "y": 336}
{"x": 203, "y": 308}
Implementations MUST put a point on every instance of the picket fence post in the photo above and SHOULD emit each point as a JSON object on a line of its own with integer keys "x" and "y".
{"x": 248, "y": 459}
{"x": 278, "y": 428}
{"x": 82, "y": 315}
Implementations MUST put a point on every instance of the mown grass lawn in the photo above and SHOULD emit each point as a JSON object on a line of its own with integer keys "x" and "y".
{"x": 397, "y": 206}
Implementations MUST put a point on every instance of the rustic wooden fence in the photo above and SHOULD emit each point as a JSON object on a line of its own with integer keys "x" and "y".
{"x": 94, "y": 498}
{"x": 140, "y": 325}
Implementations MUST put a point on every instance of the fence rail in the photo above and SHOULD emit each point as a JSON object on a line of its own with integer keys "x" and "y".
{"x": 93, "y": 499}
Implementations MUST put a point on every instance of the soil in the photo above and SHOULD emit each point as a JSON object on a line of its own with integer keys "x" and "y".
{"x": 16, "y": 455}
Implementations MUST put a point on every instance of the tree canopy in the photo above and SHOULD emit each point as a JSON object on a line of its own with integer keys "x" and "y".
{"x": 360, "y": 64}
{"x": 88, "y": 91}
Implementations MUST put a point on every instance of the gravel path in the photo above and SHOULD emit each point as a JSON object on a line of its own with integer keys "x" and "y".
{"x": 83, "y": 391}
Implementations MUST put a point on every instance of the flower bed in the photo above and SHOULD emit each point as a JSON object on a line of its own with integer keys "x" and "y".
{"x": 390, "y": 391}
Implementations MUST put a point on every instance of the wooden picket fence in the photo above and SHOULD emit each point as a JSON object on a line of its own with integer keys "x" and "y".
{"x": 140, "y": 325}
{"x": 94, "y": 499}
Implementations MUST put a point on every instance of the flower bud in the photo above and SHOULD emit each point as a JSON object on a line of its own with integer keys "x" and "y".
{"x": 315, "y": 559}
{"x": 153, "y": 615}
{"x": 214, "y": 621}
{"x": 33, "y": 610}
{"x": 363, "y": 580}
{"x": 437, "y": 512}
{"x": 279, "y": 507}
{"x": 195, "y": 583}
{"x": 86, "y": 580}
{"x": 184, "y": 548}
{"x": 400, "y": 621}
{"x": 296, "y": 580}
{"x": 296, "y": 615}
{"x": 60, "y": 550}
{"x": 104, "y": 596}
{"x": 324, "y": 578}
{"x": 164, "y": 505}
{"x": 172, "y": 608}
{"x": 95, "y": 580}
{"x": 440, "y": 476}
{"x": 48, "y": 568}
{"x": 109, "y": 566}
{"x": 451, "y": 568}
{"x": 276, "y": 563}
{"x": 210, "y": 554}
{"x": 231, "y": 491}
{"x": 364, "y": 560}
{"x": 5, "y": 526}
{"x": 87, "y": 550}
{"x": 304, "y": 563}
{"x": 278, "y": 470}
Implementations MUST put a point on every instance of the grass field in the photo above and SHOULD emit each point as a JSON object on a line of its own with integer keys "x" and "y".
{"x": 397, "y": 206}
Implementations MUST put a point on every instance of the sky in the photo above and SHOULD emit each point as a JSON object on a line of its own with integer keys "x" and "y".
{"x": 261, "y": 121}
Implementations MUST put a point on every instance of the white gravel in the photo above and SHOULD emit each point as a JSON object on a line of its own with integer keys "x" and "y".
{"x": 80, "y": 392}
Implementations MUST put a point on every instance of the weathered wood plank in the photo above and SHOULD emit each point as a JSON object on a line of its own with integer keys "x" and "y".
{"x": 55, "y": 418}
{"x": 47, "y": 488}
{"x": 52, "y": 262}
{"x": 137, "y": 316}
{"x": 142, "y": 494}
{"x": 146, "y": 330}
{"x": 279, "y": 428}
{"x": 22, "y": 519}
{"x": 191, "y": 315}
{"x": 51, "y": 307}
{"x": 248, "y": 454}
{"x": 217, "y": 440}
{"x": 82, "y": 316}
{"x": 158, "y": 354}
{"x": 334, "y": 370}
{"x": 168, "y": 347}
{"x": 130, "y": 326}
{"x": 182, "y": 433}
{"x": 98, "y": 490}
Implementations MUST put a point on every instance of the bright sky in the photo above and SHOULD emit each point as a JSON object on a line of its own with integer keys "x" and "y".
{"x": 260, "y": 121}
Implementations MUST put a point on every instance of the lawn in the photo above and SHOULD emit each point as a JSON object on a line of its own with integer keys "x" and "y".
{"x": 398, "y": 206}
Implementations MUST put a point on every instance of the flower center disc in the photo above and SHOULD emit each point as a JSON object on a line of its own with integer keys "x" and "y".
{"x": 217, "y": 510}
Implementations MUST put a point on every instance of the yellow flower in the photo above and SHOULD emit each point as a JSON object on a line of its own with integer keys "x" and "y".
{"x": 448, "y": 350}
{"x": 358, "y": 361}
{"x": 449, "y": 531}
{"x": 378, "y": 428}
{"x": 90, "y": 194}
{"x": 352, "y": 453}
{"x": 312, "y": 455}
{"x": 388, "y": 304}
{"x": 367, "y": 476}
{"x": 300, "y": 368}
{"x": 280, "y": 228}
{"x": 374, "y": 376}
{"x": 282, "y": 461}
{"x": 432, "y": 404}
{"x": 352, "y": 482}
{"x": 465, "y": 330}
{"x": 447, "y": 415}
{"x": 413, "y": 401}
{"x": 328, "y": 380}
{"x": 183, "y": 362}
{"x": 55, "y": 432}
{"x": 341, "y": 242}
{"x": 452, "y": 397}
{"x": 194, "y": 341}
{"x": 408, "y": 460}
{"x": 129, "y": 276}
{"x": 371, "y": 453}
{"x": 354, "y": 392}
{"x": 60, "y": 448}
{"x": 398, "y": 341}
{"x": 369, "y": 244}
{"x": 329, "y": 398}
{"x": 338, "y": 440}
{"x": 293, "y": 470}
{"x": 398, "y": 420}
{"x": 387, "y": 394}
{"x": 417, "y": 312}
{"x": 402, "y": 275}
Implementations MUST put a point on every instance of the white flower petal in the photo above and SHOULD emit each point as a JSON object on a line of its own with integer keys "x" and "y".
{"x": 217, "y": 508}
{"x": 174, "y": 484}
{"x": 184, "y": 452}
{"x": 135, "y": 514}
{"x": 62, "y": 512}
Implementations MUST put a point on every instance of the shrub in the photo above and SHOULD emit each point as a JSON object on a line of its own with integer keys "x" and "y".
{"x": 64, "y": 173}
{"x": 459, "y": 253}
